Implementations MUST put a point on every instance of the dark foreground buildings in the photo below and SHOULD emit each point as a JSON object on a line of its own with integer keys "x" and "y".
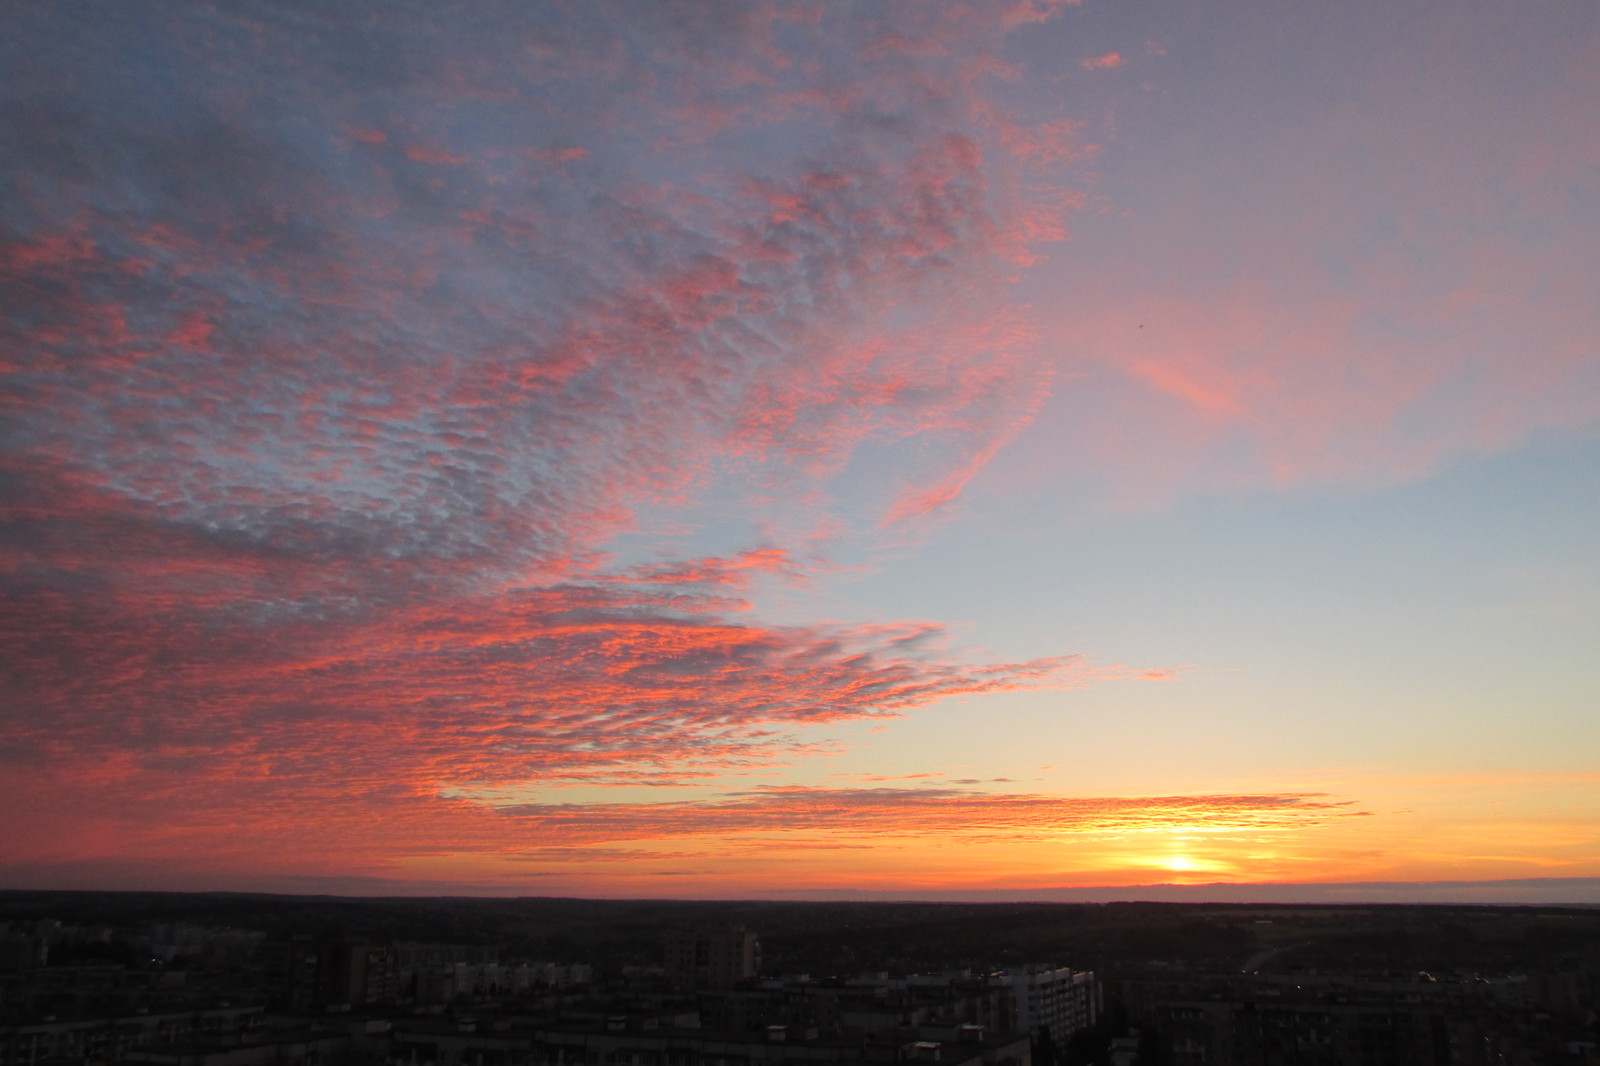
{"x": 1343, "y": 1020}
{"x": 179, "y": 995}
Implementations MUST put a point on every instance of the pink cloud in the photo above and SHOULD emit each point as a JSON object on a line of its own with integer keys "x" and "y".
{"x": 735, "y": 571}
{"x": 330, "y": 405}
{"x": 1270, "y": 378}
{"x": 383, "y": 707}
{"x": 421, "y": 153}
{"x": 1344, "y": 309}
{"x": 1215, "y": 401}
{"x": 1023, "y": 12}
{"x": 1109, "y": 61}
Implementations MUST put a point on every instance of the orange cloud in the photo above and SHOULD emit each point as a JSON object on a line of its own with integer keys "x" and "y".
{"x": 926, "y": 812}
{"x": 880, "y": 829}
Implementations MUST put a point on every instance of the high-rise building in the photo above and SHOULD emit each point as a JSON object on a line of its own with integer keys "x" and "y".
{"x": 711, "y": 956}
{"x": 1053, "y": 1001}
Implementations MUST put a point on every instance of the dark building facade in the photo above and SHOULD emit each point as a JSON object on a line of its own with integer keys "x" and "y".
{"x": 710, "y": 956}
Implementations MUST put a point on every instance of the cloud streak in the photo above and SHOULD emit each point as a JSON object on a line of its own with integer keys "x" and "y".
{"x": 963, "y": 814}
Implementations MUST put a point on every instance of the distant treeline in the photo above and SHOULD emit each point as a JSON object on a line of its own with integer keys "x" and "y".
{"x": 847, "y": 938}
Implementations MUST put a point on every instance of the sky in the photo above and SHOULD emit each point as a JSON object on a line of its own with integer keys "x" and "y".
{"x": 820, "y": 450}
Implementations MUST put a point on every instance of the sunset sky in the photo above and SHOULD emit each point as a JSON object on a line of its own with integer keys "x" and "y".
{"x": 728, "y": 449}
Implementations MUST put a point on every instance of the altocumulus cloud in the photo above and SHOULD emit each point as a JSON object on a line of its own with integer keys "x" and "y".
{"x": 344, "y": 341}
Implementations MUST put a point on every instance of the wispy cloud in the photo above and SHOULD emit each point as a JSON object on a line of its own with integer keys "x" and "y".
{"x": 1347, "y": 308}
{"x": 948, "y": 812}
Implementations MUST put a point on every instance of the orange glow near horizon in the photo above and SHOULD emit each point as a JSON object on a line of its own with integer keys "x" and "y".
{"x": 918, "y": 840}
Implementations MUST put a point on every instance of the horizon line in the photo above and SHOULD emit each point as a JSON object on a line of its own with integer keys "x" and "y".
{"x": 1525, "y": 891}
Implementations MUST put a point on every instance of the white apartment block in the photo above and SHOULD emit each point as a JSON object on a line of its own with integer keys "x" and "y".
{"x": 1054, "y": 1000}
